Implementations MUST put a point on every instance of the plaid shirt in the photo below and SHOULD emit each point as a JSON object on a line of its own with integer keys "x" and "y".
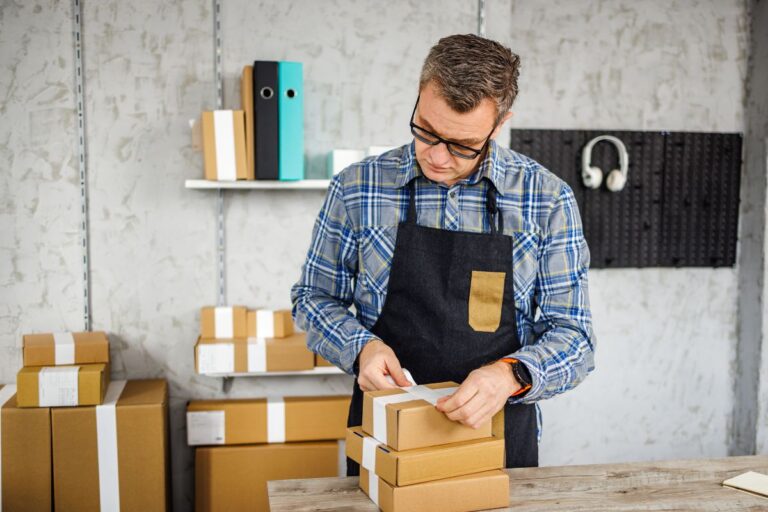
{"x": 353, "y": 241}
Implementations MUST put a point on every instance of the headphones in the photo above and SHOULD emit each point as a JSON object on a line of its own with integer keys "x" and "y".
{"x": 593, "y": 176}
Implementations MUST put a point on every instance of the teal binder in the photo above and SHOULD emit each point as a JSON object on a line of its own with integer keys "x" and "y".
{"x": 290, "y": 104}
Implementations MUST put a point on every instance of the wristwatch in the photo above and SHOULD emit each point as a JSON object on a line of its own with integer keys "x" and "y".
{"x": 521, "y": 373}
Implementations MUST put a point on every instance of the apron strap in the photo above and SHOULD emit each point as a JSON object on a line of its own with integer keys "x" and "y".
{"x": 493, "y": 209}
{"x": 411, "y": 218}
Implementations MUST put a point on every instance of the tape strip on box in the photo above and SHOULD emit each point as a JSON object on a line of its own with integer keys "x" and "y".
{"x": 257, "y": 355}
{"x": 224, "y": 135}
{"x": 265, "y": 323}
{"x": 275, "y": 419}
{"x": 5, "y": 394}
{"x": 106, "y": 442}
{"x": 216, "y": 358}
{"x": 57, "y": 386}
{"x": 373, "y": 487}
{"x": 223, "y": 322}
{"x": 369, "y": 453}
{"x": 206, "y": 428}
{"x": 63, "y": 348}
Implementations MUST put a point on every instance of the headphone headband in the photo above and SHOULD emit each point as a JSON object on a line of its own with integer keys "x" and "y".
{"x": 586, "y": 155}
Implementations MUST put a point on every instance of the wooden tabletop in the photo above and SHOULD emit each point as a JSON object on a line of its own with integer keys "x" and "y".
{"x": 670, "y": 485}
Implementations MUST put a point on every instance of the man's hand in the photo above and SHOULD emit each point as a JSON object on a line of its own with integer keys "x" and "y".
{"x": 484, "y": 392}
{"x": 377, "y": 360}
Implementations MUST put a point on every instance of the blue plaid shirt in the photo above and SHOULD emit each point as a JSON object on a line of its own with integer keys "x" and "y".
{"x": 353, "y": 241}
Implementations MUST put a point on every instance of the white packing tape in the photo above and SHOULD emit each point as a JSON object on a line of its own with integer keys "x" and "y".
{"x": 106, "y": 442}
{"x": 63, "y": 348}
{"x": 5, "y": 394}
{"x": 380, "y": 413}
{"x": 257, "y": 355}
{"x": 216, "y": 358}
{"x": 275, "y": 419}
{"x": 224, "y": 135}
{"x": 369, "y": 453}
{"x": 57, "y": 386}
{"x": 265, "y": 323}
{"x": 373, "y": 487}
{"x": 408, "y": 377}
{"x": 428, "y": 394}
{"x": 206, "y": 427}
{"x": 223, "y": 323}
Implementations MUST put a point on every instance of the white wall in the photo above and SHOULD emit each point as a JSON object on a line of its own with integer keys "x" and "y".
{"x": 666, "y": 337}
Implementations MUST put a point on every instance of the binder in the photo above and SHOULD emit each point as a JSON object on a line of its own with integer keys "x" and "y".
{"x": 265, "y": 112}
{"x": 246, "y": 97}
{"x": 290, "y": 80}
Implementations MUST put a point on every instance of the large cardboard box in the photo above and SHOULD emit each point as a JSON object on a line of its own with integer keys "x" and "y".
{"x": 235, "y": 477}
{"x": 65, "y": 348}
{"x": 266, "y": 420}
{"x": 223, "y": 322}
{"x": 62, "y": 386}
{"x": 252, "y": 355}
{"x": 478, "y": 491}
{"x": 224, "y": 145}
{"x": 267, "y": 323}
{"x": 406, "y": 418}
{"x": 424, "y": 464}
{"x": 116, "y": 454}
{"x": 25, "y": 455}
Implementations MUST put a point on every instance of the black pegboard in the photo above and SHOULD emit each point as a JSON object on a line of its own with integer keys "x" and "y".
{"x": 680, "y": 204}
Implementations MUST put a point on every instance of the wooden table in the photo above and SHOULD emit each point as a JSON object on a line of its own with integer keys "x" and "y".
{"x": 670, "y": 485}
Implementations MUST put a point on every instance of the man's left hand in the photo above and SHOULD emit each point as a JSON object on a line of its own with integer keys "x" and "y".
{"x": 482, "y": 394}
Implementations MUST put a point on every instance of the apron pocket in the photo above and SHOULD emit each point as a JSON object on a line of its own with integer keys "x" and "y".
{"x": 486, "y": 295}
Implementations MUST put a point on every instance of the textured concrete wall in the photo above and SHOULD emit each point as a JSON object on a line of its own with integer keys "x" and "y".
{"x": 667, "y": 338}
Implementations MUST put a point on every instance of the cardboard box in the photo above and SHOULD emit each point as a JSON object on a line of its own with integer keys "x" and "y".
{"x": 262, "y": 420}
{"x": 223, "y": 322}
{"x": 320, "y": 361}
{"x": 115, "y": 454}
{"x": 424, "y": 464}
{"x": 224, "y": 145}
{"x": 253, "y": 355}
{"x": 266, "y": 323}
{"x": 235, "y": 477}
{"x": 62, "y": 386}
{"x": 65, "y": 348}
{"x": 246, "y": 100}
{"x": 403, "y": 420}
{"x": 25, "y": 455}
{"x": 479, "y": 491}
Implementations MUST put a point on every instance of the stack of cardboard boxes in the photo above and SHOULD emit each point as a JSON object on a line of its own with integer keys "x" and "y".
{"x": 236, "y": 340}
{"x": 263, "y": 439}
{"x": 73, "y": 440}
{"x": 413, "y": 457}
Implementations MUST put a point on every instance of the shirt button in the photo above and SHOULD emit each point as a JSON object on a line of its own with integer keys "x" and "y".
{"x": 453, "y": 194}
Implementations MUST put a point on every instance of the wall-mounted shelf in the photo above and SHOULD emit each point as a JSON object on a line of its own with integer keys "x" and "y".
{"x": 320, "y": 370}
{"x": 258, "y": 185}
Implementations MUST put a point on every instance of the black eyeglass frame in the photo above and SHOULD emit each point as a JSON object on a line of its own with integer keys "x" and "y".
{"x": 448, "y": 144}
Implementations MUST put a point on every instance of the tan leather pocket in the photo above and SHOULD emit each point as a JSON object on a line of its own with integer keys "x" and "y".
{"x": 486, "y": 295}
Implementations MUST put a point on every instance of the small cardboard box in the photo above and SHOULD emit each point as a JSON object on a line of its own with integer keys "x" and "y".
{"x": 424, "y": 464}
{"x": 235, "y": 477}
{"x": 224, "y": 145}
{"x": 223, "y": 322}
{"x": 403, "y": 421}
{"x": 114, "y": 454}
{"x": 62, "y": 386}
{"x": 65, "y": 348}
{"x": 25, "y": 449}
{"x": 266, "y": 323}
{"x": 253, "y": 355}
{"x": 321, "y": 361}
{"x": 266, "y": 420}
{"x": 478, "y": 491}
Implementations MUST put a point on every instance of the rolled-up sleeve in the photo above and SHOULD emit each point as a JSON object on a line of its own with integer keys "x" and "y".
{"x": 322, "y": 296}
{"x": 562, "y": 356}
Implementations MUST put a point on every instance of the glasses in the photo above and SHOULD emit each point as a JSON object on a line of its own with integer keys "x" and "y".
{"x": 454, "y": 148}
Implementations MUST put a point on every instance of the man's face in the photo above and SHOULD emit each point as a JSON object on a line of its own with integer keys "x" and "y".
{"x": 468, "y": 129}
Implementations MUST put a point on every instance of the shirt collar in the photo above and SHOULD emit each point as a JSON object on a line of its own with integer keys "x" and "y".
{"x": 489, "y": 168}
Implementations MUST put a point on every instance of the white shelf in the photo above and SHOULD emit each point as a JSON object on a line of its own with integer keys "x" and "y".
{"x": 258, "y": 184}
{"x": 319, "y": 370}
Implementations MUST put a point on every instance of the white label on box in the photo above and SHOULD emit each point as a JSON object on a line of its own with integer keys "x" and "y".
{"x": 369, "y": 453}
{"x": 5, "y": 394}
{"x": 106, "y": 443}
{"x": 265, "y": 323}
{"x": 224, "y": 135}
{"x": 57, "y": 386}
{"x": 216, "y": 358}
{"x": 206, "y": 427}
{"x": 275, "y": 419}
{"x": 64, "y": 348}
{"x": 223, "y": 322}
{"x": 257, "y": 355}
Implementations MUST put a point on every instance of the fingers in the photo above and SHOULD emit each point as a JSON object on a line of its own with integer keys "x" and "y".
{"x": 462, "y": 395}
{"x": 468, "y": 410}
{"x": 396, "y": 371}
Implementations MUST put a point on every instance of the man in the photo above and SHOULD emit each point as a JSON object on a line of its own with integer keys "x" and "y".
{"x": 447, "y": 247}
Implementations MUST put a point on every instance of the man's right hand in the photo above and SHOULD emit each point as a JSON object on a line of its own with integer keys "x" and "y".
{"x": 377, "y": 361}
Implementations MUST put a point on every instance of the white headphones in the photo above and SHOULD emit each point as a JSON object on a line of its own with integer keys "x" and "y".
{"x": 593, "y": 176}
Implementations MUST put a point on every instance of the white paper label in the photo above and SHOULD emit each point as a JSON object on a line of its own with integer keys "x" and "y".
{"x": 265, "y": 323}
{"x": 206, "y": 427}
{"x": 57, "y": 386}
{"x": 64, "y": 348}
{"x": 223, "y": 322}
{"x": 224, "y": 135}
{"x": 106, "y": 442}
{"x": 257, "y": 355}
{"x": 275, "y": 419}
{"x": 369, "y": 453}
{"x": 216, "y": 358}
{"x": 5, "y": 394}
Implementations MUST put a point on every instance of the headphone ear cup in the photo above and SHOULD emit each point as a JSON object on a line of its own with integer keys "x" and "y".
{"x": 615, "y": 181}
{"x": 593, "y": 177}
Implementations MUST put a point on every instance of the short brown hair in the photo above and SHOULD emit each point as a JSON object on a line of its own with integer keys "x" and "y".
{"x": 467, "y": 69}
